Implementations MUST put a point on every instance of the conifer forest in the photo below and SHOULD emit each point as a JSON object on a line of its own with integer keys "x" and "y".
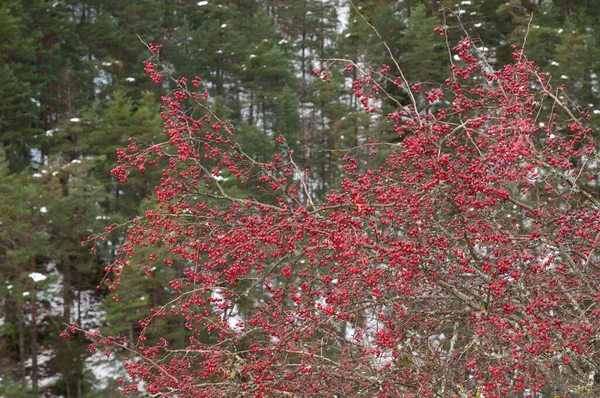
{"x": 299, "y": 198}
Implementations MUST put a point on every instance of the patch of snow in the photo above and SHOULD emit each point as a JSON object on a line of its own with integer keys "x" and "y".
{"x": 75, "y": 161}
{"x": 202, "y": 3}
{"x": 54, "y": 173}
{"x": 231, "y": 315}
{"x": 477, "y": 25}
{"x": 456, "y": 57}
{"x": 283, "y": 41}
{"x": 74, "y": 120}
{"x": 473, "y": 13}
{"x": 37, "y": 175}
{"x": 102, "y": 79}
{"x": 50, "y": 133}
{"x": 554, "y": 63}
{"x": 130, "y": 79}
{"x": 596, "y": 111}
{"x": 36, "y": 102}
{"x": 36, "y": 156}
{"x": 560, "y": 31}
{"x": 106, "y": 63}
{"x": 104, "y": 369}
{"x": 36, "y": 276}
{"x": 46, "y": 382}
{"x": 347, "y": 35}
{"x": 542, "y": 124}
{"x": 219, "y": 51}
{"x": 343, "y": 13}
{"x": 349, "y": 331}
{"x": 42, "y": 358}
{"x": 465, "y": 3}
{"x": 252, "y": 56}
{"x": 564, "y": 77}
{"x": 43, "y": 210}
{"x": 223, "y": 26}
{"x": 25, "y": 294}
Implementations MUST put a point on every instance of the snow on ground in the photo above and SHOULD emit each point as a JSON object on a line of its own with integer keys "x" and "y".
{"x": 105, "y": 369}
{"x": 52, "y": 296}
{"x": 234, "y": 320}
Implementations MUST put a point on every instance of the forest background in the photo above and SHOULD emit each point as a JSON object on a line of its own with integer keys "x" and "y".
{"x": 73, "y": 90}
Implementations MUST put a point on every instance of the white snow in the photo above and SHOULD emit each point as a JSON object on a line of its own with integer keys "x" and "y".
{"x": 106, "y": 63}
{"x": 219, "y": 51}
{"x": 46, "y": 382}
{"x": 560, "y": 31}
{"x": 202, "y": 3}
{"x": 75, "y": 161}
{"x": 252, "y": 56}
{"x": 130, "y": 79}
{"x": 477, "y": 25}
{"x": 223, "y": 26}
{"x": 43, "y": 210}
{"x": 231, "y": 315}
{"x": 283, "y": 41}
{"x": 347, "y": 35}
{"x": 36, "y": 102}
{"x": 343, "y": 13}
{"x": 465, "y": 3}
{"x": 104, "y": 369}
{"x": 596, "y": 111}
{"x": 456, "y": 57}
{"x": 37, "y": 175}
{"x": 554, "y": 63}
{"x": 36, "y": 156}
{"x": 36, "y": 276}
{"x": 564, "y": 77}
{"x": 75, "y": 120}
{"x": 25, "y": 294}
{"x": 50, "y": 133}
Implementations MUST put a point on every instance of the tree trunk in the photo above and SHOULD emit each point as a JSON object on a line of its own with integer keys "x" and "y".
{"x": 79, "y": 370}
{"x": 21, "y": 344}
{"x": 34, "y": 344}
